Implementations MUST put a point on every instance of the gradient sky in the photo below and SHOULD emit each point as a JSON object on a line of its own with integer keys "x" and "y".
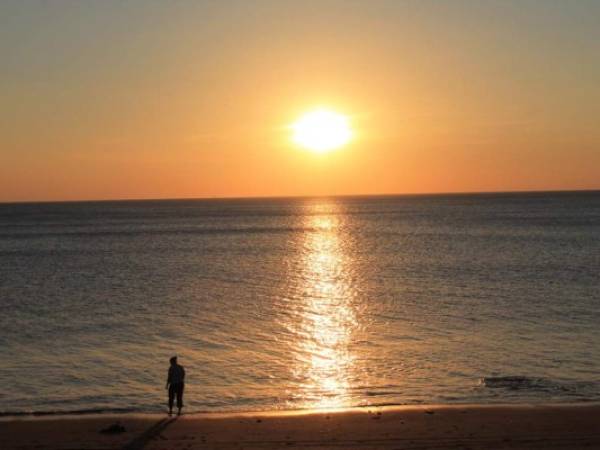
{"x": 157, "y": 99}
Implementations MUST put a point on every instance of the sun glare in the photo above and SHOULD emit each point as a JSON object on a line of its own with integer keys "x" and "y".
{"x": 321, "y": 131}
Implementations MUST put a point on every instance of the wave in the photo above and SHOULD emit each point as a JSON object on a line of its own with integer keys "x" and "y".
{"x": 511, "y": 382}
{"x": 519, "y": 383}
{"x": 175, "y": 231}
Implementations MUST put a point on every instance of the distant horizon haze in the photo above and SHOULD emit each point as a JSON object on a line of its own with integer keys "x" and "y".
{"x": 316, "y": 196}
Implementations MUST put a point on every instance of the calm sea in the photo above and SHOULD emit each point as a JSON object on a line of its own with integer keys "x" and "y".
{"x": 300, "y": 303}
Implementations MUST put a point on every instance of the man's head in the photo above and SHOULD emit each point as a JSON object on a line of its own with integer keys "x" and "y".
{"x": 173, "y": 360}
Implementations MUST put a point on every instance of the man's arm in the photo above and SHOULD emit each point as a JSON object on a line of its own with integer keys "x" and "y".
{"x": 168, "y": 379}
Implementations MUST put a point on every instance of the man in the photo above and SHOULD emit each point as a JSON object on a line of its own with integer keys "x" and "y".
{"x": 175, "y": 385}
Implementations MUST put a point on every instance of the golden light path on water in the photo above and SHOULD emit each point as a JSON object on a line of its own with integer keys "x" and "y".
{"x": 326, "y": 318}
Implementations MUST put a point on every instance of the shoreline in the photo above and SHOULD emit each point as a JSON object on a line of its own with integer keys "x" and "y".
{"x": 66, "y": 415}
{"x": 508, "y": 426}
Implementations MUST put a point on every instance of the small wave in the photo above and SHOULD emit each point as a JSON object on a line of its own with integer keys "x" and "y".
{"x": 511, "y": 382}
{"x": 516, "y": 383}
{"x": 382, "y": 393}
{"x": 162, "y": 232}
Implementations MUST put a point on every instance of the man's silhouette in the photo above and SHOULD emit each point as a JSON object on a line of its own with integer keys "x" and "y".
{"x": 175, "y": 385}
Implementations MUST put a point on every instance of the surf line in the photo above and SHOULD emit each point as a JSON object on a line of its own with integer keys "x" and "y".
{"x": 140, "y": 442}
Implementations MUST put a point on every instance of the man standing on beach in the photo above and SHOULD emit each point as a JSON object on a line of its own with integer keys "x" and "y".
{"x": 175, "y": 385}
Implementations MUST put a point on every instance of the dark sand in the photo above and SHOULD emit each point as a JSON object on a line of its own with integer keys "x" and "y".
{"x": 413, "y": 427}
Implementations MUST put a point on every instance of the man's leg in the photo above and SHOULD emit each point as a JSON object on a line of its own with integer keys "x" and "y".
{"x": 171, "y": 398}
{"x": 180, "y": 397}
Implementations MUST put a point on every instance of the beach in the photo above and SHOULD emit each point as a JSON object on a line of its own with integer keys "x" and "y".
{"x": 408, "y": 427}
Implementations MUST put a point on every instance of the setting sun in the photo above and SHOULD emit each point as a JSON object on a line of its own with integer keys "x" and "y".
{"x": 321, "y": 131}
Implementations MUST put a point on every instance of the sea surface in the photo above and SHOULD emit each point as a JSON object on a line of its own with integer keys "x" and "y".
{"x": 300, "y": 303}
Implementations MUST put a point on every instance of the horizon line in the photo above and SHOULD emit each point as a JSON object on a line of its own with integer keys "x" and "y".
{"x": 282, "y": 197}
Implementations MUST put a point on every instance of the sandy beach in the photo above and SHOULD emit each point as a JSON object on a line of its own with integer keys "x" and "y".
{"x": 411, "y": 427}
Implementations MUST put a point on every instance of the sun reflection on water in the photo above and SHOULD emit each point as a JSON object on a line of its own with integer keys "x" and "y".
{"x": 326, "y": 317}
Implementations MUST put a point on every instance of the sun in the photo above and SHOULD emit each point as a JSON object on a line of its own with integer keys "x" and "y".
{"x": 321, "y": 131}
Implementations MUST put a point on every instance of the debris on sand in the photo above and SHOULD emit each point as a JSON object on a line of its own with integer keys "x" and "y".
{"x": 115, "y": 428}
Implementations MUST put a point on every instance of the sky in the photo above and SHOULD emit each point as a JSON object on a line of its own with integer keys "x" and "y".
{"x": 193, "y": 99}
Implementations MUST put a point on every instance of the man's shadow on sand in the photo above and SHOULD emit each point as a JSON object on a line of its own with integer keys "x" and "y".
{"x": 140, "y": 442}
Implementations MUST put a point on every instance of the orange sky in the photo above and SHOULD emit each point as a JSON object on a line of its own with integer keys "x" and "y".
{"x": 108, "y": 100}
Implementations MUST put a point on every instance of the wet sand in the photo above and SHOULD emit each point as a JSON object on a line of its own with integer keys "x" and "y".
{"x": 412, "y": 427}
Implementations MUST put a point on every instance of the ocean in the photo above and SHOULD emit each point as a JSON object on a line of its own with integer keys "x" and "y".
{"x": 300, "y": 303}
